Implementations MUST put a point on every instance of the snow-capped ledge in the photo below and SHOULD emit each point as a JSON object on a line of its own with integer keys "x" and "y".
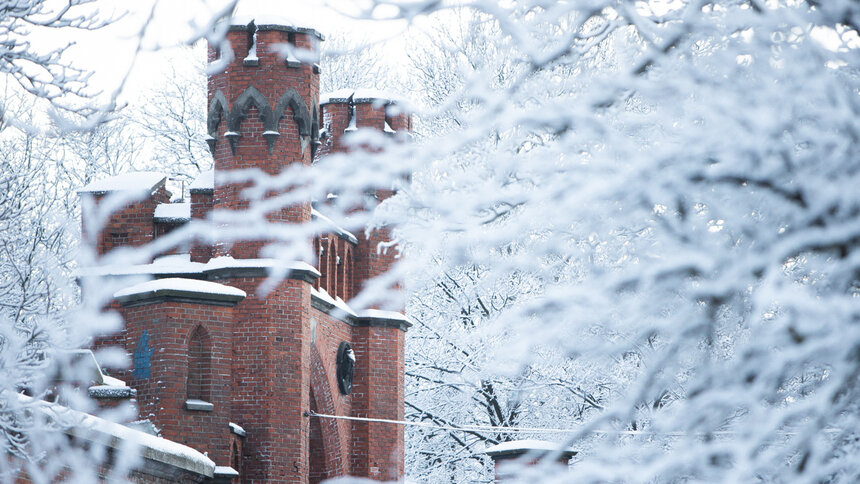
{"x": 204, "y": 183}
{"x": 337, "y": 308}
{"x": 516, "y": 448}
{"x": 111, "y": 392}
{"x": 178, "y": 288}
{"x": 199, "y": 405}
{"x": 226, "y": 471}
{"x": 383, "y": 319}
{"x": 217, "y": 268}
{"x": 237, "y": 429}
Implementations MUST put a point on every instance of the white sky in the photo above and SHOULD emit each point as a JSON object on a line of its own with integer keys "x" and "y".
{"x": 109, "y": 52}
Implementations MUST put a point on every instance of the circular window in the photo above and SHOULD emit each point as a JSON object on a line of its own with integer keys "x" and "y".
{"x": 345, "y": 367}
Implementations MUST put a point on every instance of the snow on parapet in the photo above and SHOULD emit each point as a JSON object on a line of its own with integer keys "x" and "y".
{"x": 180, "y": 264}
{"x": 175, "y": 285}
{"x": 227, "y": 262}
{"x": 339, "y": 96}
{"x": 173, "y": 212}
{"x": 204, "y": 182}
{"x": 361, "y": 95}
{"x": 134, "y": 181}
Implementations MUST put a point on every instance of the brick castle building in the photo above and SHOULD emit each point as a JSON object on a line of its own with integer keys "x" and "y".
{"x": 218, "y": 365}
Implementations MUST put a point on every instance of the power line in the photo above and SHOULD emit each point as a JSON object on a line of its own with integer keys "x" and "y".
{"x": 485, "y": 428}
{"x": 478, "y": 428}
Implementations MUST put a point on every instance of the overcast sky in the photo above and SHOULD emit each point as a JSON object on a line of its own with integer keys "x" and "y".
{"x": 109, "y": 53}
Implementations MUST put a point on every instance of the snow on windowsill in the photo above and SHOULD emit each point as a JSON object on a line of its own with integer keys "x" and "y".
{"x": 172, "y": 259}
{"x": 111, "y": 392}
{"x": 199, "y": 405}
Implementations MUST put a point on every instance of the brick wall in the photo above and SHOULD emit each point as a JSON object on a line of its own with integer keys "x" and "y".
{"x": 378, "y": 448}
{"x": 202, "y": 203}
{"x": 158, "y": 341}
{"x": 270, "y": 379}
{"x": 268, "y": 89}
{"x": 130, "y": 226}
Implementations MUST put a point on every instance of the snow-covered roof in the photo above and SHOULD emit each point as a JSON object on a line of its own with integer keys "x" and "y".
{"x": 114, "y": 435}
{"x": 337, "y": 229}
{"x": 173, "y": 212}
{"x": 359, "y": 95}
{"x": 133, "y": 181}
{"x": 175, "y": 286}
{"x": 204, "y": 182}
{"x": 525, "y": 446}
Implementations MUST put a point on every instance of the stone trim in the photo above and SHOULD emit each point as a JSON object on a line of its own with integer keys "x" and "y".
{"x": 199, "y": 406}
{"x": 357, "y": 321}
{"x": 280, "y": 28}
{"x": 377, "y": 322}
{"x": 109, "y": 392}
{"x": 236, "y": 272}
{"x": 178, "y": 295}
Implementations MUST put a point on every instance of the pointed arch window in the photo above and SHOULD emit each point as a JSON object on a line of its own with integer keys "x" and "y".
{"x": 199, "y": 380}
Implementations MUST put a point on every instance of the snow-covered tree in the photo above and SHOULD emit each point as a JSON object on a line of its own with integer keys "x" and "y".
{"x": 172, "y": 118}
{"x": 680, "y": 178}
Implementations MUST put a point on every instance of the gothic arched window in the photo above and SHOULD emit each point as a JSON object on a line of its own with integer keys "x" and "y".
{"x": 199, "y": 382}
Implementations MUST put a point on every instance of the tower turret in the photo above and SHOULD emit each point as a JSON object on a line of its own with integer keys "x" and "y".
{"x": 263, "y": 114}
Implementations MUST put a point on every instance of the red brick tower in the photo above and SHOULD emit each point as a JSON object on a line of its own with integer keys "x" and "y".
{"x": 377, "y": 448}
{"x": 225, "y": 368}
{"x": 262, "y": 114}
